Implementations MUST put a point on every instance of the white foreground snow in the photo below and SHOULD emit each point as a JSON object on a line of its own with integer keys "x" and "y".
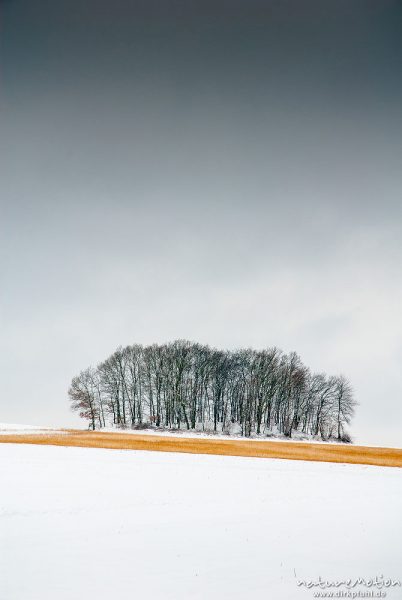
{"x": 81, "y": 523}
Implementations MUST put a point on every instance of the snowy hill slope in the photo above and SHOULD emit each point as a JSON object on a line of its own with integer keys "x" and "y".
{"x": 91, "y": 523}
{"x": 13, "y": 428}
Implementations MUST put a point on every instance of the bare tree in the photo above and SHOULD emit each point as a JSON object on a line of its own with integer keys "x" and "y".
{"x": 187, "y": 383}
{"x": 83, "y": 395}
{"x": 344, "y": 404}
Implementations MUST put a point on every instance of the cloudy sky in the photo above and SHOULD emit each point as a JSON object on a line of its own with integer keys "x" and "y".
{"x": 223, "y": 171}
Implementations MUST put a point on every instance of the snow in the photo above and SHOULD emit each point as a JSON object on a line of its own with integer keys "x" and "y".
{"x": 94, "y": 523}
{"x": 191, "y": 433}
{"x": 13, "y": 429}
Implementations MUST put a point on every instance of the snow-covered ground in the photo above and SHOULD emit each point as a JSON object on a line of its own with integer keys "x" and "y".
{"x": 296, "y": 437}
{"x": 91, "y": 523}
{"x": 14, "y": 429}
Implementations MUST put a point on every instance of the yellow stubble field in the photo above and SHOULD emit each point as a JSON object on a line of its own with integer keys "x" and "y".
{"x": 336, "y": 453}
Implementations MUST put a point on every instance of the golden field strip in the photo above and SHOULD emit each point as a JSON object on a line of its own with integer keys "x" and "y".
{"x": 363, "y": 455}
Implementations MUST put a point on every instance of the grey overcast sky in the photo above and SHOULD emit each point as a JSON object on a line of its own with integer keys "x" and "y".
{"x": 223, "y": 171}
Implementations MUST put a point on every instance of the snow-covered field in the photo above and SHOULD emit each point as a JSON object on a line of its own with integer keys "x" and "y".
{"x": 80, "y": 523}
{"x": 7, "y": 429}
{"x": 296, "y": 437}
{"x": 14, "y": 429}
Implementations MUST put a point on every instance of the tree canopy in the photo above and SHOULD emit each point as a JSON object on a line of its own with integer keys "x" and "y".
{"x": 186, "y": 384}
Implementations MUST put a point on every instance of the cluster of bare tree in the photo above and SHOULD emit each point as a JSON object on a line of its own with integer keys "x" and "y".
{"x": 197, "y": 387}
